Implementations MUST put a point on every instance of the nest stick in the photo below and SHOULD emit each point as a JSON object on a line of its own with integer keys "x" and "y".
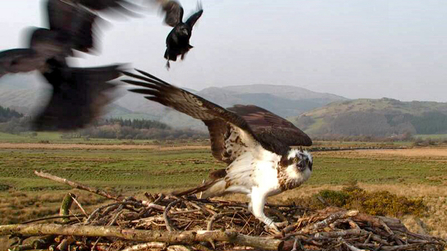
{"x": 147, "y": 246}
{"x": 169, "y": 226}
{"x": 180, "y": 237}
{"x": 79, "y": 186}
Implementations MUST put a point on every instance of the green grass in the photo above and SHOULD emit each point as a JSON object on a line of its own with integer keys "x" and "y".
{"x": 124, "y": 169}
{"x": 163, "y": 170}
{"x": 56, "y": 138}
{"x": 431, "y": 136}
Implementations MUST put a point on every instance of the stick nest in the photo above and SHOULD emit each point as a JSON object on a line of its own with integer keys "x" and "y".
{"x": 163, "y": 222}
{"x": 328, "y": 229}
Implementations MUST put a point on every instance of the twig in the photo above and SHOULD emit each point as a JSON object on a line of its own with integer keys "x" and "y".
{"x": 147, "y": 246}
{"x": 169, "y": 227}
{"x": 333, "y": 217}
{"x": 351, "y": 247}
{"x": 79, "y": 186}
{"x": 214, "y": 218}
{"x": 78, "y": 204}
{"x": 52, "y": 218}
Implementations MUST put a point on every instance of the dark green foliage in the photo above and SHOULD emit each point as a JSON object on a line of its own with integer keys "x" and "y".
{"x": 7, "y": 114}
{"x": 135, "y": 129}
{"x": 374, "y": 203}
{"x": 360, "y": 123}
{"x": 303, "y": 122}
{"x": 375, "y": 118}
{"x": 135, "y": 123}
{"x": 15, "y": 125}
{"x": 430, "y": 123}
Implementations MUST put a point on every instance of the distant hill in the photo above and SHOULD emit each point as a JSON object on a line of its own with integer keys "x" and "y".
{"x": 375, "y": 117}
{"x": 283, "y": 100}
{"x": 22, "y": 93}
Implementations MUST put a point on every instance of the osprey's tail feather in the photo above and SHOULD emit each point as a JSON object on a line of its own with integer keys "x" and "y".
{"x": 214, "y": 187}
{"x": 209, "y": 189}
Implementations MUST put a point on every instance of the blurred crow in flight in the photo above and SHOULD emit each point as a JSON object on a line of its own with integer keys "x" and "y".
{"x": 177, "y": 42}
{"x": 79, "y": 95}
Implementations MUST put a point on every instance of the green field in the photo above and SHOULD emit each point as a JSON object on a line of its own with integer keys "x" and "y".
{"x": 132, "y": 169}
{"x": 432, "y": 136}
{"x": 122, "y": 169}
{"x": 143, "y": 169}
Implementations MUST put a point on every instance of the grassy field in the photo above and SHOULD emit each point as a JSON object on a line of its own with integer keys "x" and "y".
{"x": 134, "y": 169}
{"x": 432, "y": 136}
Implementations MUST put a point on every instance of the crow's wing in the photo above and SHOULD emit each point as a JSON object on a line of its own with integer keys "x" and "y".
{"x": 173, "y": 11}
{"x": 20, "y": 60}
{"x": 79, "y": 96}
{"x": 100, "y": 5}
{"x": 44, "y": 44}
{"x": 73, "y": 23}
{"x": 193, "y": 18}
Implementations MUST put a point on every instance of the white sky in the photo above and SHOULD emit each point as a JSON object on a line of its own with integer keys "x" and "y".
{"x": 353, "y": 48}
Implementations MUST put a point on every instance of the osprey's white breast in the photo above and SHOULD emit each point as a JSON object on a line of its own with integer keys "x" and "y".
{"x": 256, "y": 168}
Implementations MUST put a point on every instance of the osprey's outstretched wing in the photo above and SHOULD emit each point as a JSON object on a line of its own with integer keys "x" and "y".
{"x": 230, "y": 134}
{"x": 271, "y": 129}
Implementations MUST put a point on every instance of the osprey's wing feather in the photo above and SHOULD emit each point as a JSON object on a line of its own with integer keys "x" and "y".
{"x": 229, "y": 133}
{"x": 272, "y": 130}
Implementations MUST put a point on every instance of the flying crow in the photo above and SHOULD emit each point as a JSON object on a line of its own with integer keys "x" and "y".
{"x": 78, "y": 94}
{"x": 177, "y": 42}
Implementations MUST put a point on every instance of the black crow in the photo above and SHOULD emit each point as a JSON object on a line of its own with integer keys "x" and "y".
{"x": 79, "y": 95}
{"x": 177, "y": 42}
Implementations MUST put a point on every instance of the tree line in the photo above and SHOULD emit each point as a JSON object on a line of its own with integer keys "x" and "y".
{"x": 110, "y": 128}
{"x": 7, "y": 114}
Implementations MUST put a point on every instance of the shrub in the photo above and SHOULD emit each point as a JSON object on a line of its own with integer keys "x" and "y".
{"x": 374, "y": 203}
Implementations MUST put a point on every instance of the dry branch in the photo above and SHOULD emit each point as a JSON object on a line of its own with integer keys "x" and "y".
{"x": 181, "y": 237}
{"x": 79, "y": 186}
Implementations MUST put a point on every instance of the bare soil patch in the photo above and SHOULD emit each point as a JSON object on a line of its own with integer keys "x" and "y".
{"x": 414, "y": 152}
{"x": 86, "y": 146}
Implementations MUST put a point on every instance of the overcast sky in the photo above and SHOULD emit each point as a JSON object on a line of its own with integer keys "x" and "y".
{"x": 353, "y": 48}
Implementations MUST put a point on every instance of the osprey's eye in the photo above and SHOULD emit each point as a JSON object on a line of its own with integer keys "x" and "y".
{"x": 296, "y": 160}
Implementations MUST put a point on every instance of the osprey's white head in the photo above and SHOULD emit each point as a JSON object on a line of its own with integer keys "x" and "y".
{"x": 302, "y": 160}
{"x": 297, "y": 168}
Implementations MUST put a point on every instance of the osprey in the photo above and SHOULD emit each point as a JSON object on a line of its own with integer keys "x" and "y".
{"x": 78, "y": 94}
{"x": 177, "y": 41}
{"x": 254, "y": 142}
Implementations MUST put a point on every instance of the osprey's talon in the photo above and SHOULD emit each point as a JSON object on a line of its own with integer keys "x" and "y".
{"x": 271, "y": 226}
{"x": 282, "y": 224}
{"x": 272, "y": 229}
